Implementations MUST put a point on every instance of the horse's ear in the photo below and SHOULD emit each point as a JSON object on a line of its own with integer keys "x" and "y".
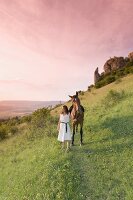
{"x": 76, "y": 93}
{"x": 70, "y": 96}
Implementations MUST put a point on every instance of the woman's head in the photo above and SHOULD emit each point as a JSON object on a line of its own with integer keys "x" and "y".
{"x": 65, "y": 109}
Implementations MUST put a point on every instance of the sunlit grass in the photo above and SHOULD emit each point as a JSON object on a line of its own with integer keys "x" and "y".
{"x": 102, "y": 169}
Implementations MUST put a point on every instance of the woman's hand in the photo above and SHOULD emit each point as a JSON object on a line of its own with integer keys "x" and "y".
{"x": 58, "y": 128}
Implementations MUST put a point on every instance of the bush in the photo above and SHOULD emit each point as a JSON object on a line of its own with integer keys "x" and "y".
{"x": 82, "y": 93}
{"x": 25, "y": 119}
{"x": 40, "y": 117}
{"x": 113, "y": 97}
{"x": 13, "y": 130}
{"x": 129, "y": 70}
{"x": 120, "y": 73}
{"x": 90, "y": 87}
{"x": 3, "y": 132}
{"x": 129, "y": 64}
{"x": 106, "y": 79}
{"x": 100, "y": 84}
{"x": 109, "y": 79}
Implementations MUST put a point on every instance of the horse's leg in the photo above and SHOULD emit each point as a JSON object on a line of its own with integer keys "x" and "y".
{"x": 76, "y": 128}
{"x": 81, "y": 134}
{"x": 73, "y": 134}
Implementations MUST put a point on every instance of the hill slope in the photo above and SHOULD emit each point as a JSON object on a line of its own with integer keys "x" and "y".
{"x": 99, "y": 170}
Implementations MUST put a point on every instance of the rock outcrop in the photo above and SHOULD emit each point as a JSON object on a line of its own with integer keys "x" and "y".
{"x": 113, "y": 64}
{"x": 130, "y": 56}
{"x": 96, "y": 76}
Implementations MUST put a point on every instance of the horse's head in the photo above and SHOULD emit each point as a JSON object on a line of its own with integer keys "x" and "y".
{"x": 77, "y": 113}
{"x": 75, "y": 100}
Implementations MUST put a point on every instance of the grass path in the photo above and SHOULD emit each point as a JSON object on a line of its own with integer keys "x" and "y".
{"x": 98, "y": 170}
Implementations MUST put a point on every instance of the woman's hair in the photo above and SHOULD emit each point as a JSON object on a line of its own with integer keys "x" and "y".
{"x": 65, "y": 109}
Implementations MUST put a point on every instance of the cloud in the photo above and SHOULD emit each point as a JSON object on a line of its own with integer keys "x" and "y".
{"x": 29, "y": 85}
{"x": 56, "y": 45}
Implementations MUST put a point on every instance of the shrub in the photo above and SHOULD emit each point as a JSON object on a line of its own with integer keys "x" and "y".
{"x": 106, "y": 79}
{"x": 26, "y": 119}
{"x": 110, "y": 79}
{"x": 82, "y": 93}
{"x": 129, "y": 64}
{"x": 113, "y": 97}
{"x": 13, "y": 130}
{"x": 100, "y": 84}
{"x": 40, "y": 117}
{"x": 129, "y": 70}
{"x": 3, "y": 132}
{"x": 90, "y": 87}
{"x": 120, "y": 73}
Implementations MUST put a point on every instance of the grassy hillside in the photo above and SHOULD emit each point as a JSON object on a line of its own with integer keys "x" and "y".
{"x": 33, "y": 167}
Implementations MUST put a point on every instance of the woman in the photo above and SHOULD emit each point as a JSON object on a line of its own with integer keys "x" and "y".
{"x": 64, "y": 135}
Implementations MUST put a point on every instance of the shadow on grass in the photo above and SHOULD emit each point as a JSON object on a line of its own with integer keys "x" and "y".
{"x": 113, "y": 148}
{"x": 120, "y": 127}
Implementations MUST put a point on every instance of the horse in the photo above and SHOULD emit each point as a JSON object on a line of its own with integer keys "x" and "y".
{"x": 77, "y": 117}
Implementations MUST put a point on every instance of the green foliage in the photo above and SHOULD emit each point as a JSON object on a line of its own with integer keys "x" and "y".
{"x": 3, "y": 132}
{"x": 113, "y": 97}
{"x": 100, "y": 84}
{"x": 42, "y": 123}
{"x": 90, "y": 87}
{"x": 26, "y": 119}
{"x": 106, "y": 79}
{"x": 82, "y": 93}
{"x": 40, "y": 118}
{"x": 37, "y": 169}
{"x": 13, "y": 130}
{"x": 9, "y": 127}
{"x": 109, "y": 79}
{"x": 129, "y": 64}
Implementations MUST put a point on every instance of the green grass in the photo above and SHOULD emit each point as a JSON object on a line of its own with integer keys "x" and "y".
{"x": 102, "y": 169}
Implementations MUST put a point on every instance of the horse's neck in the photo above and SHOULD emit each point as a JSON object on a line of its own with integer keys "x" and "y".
{"x": 73, "y": 113}
{"x": 75, "y": 107}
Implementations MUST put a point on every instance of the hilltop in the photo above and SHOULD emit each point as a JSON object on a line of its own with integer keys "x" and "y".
{"x": 34, "y": 167}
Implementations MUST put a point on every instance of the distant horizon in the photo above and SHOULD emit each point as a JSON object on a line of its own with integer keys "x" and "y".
{"x": 50, "y": 49}
{"x": 22, "y": 108}
{"x": 35, "y": 100}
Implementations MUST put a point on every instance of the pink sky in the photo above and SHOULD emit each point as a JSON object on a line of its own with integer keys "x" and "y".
{"x": 50, "y": 48}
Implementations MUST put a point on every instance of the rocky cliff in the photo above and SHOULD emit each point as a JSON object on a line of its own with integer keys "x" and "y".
{"x": 130, "y": 56}
{"x": 96, "y": 76}
{"x": 113, "y": 64}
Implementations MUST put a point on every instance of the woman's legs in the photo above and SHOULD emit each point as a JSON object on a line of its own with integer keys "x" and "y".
{"x": 68, "y": 145}
{"x": 62, "y": 145}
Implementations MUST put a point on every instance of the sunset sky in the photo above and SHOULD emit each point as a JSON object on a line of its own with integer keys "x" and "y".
{"x": 50, "y": 48}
